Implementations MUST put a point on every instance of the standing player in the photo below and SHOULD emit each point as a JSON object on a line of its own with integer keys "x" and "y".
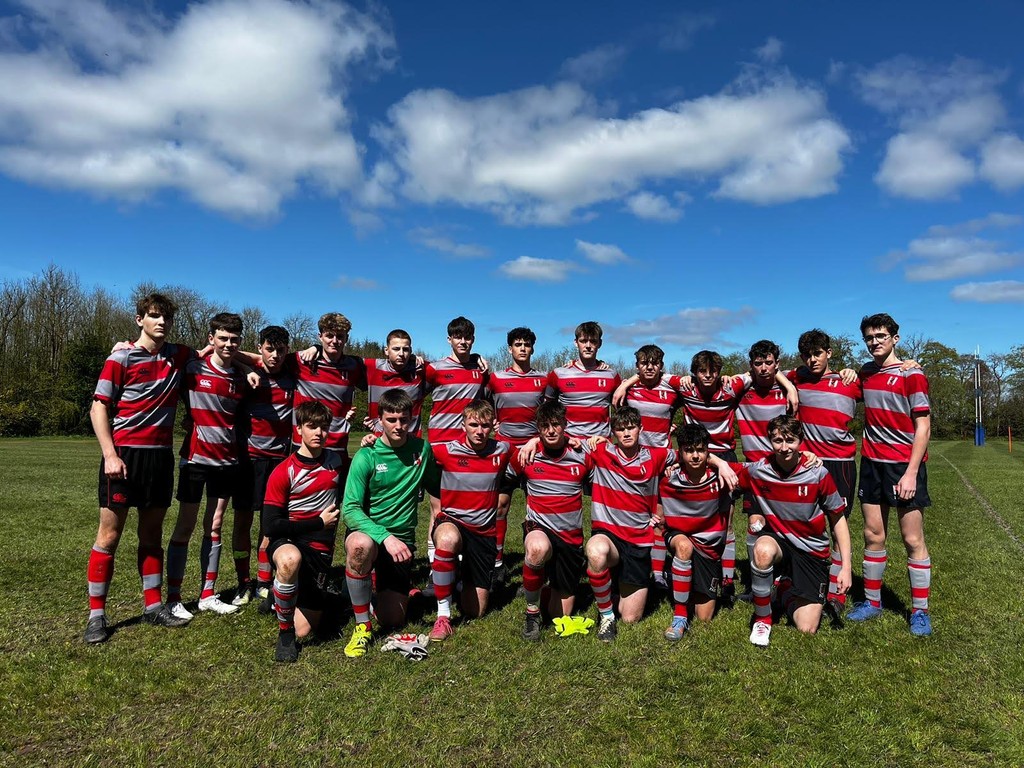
{"x": 625, "y": 499}
{"x": 381, "y": 497}
{"x": 471, "y": 470}
{"x": 399, "y": 369}
{"x": 693, "y": 514}
{"x": 897, "y": 427}
{"x": 300, "y": 516}
{"x": 585, "y": 386}
{"x": 517, "y": 392}
{"x": 553, "y": 529}
{"x": 268, "y": 421}
{"x": 214, "y": 388}
{"x": 796, "y": 500}
{"x": 139, "y": 387}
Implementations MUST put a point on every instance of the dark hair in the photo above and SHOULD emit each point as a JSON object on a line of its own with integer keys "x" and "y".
{"x": 461, "y": 327}
{"x": 881, "y": 321}
{"x": 226, "y": 321}
{"x": 763, "y": 348}
{"x": 813, "y": 340}
{"x": 157, "y": 302}
{"x": 589, "y": 330}
{"x": 787, "y": 425}
{"x": 313, "y": 412}
{"x": 395, "y": 401}
{"x": 274, "y": 335}
{"x": 625, "y": 417}
{"x": 650, "y": 353}
{"x": 398, "y": 333}
{"x": 712, "y": 361}
{"x": 551, "y": 412}
{"x": 522, "y": 334}
{"x": 692, "y": 436}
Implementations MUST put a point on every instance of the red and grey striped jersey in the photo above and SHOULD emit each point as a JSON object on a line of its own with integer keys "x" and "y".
{"x": 794, "y": 506}
{"x": 213, "y": 396}
{"x": 334, "y": 385}
{"x": 141, "y": 388}
{"x": 470, "y": 482}
{"x": 554, "y": 490}
{"x": 586, "y": 396}
{"x": 826, "y": 408}
{"x": 269, "y": 408}
{"x": 657, "y": 405}
{"x": 892, "y": 398}
{"x": 453, "y": 386}
{"x": 305, "y": 487}
{"x": 756, "y": 408}
{"x": 716, "y": 414}
{"x": 700, "y": 510}
{"x": 516, "y": 397}
{"x": 382, "y": 376}
{"x": 625, "y": 491}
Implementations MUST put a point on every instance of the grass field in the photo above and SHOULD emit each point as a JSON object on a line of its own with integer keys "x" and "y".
{"x": 210, "y": 693}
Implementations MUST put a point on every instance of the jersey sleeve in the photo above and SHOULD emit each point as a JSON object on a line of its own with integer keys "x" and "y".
{"x": 742, "y": 474}
{"x": 111, "y": 381}
{"x": 552, "y": 389}
{"x": 829, "y": 498}
{"x": 915, "y": 385}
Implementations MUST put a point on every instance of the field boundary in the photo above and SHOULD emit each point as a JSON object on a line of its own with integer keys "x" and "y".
{"x": 988, "y": 508}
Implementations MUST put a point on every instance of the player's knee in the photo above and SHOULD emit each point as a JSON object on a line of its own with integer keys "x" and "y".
{"x": 682, "y": 548}
{"x": 287, "y": 561}
{"x": 447, "y": 537}
{"x": 764, "y": 553}
{"x": 598, "y": 549}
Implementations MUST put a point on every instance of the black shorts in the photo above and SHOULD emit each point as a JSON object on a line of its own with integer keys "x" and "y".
{"x": 634, "y": 561}
{"x": 844, "y": 474}
{"x": 220, "y": 482}
{"x": 878, "y": 480}
{"x": 565, "y": 567}
{"x": 392, "y": 576}
{"x": 313, "y": 574}
{"x": 149, "y": 484}
{"x": 707, "y": 573}
{"x": 478, "y": 553}
{"x": 508, "y": 485}
{"x": 809, "y": 573}
{"x": 251, "y": 487}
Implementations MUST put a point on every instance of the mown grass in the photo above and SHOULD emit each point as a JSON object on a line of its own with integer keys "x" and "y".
{"x": 210, "y": 693}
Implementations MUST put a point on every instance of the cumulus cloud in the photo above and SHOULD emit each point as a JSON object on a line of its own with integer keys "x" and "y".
{"x": 647, "y": 205}
{"x": 234, "y": 104}
{"x": 595, "y": 64}
{"x": 437, "y": 240}
{"x": 545, "y": 154}
{"x": 943, "y": 114}
{"x": 947, "y": 252}
{"x": 996, "y": 292}
{"x": 770, "y": 52}
{"x": 688, "y": 327}
{"x": 1002, "y": 161}
{"x": 538, "y": 270}
{"x": 355, "y": 283}
{"x": 602, "y": 253}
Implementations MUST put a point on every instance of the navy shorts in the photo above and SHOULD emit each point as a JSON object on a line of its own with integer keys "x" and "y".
{"x": 844, "y": 474}
{"x": 565, "y": 567}
{"x": 478, "y": 553}
{"x": 149, "y": 484}
{"x": 634, "y": 561}
{"x": 878, "y": 480}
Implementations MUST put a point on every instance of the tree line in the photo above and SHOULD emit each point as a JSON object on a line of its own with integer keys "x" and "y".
{"x": 55, "y": 335}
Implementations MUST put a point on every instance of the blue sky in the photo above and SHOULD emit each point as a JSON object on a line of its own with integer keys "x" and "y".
{"x": 695, "y": 177}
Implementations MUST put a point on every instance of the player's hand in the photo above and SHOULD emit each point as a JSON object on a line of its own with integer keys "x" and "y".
{"x": 368, "y": 440}
{"x": 309, "y": 354}
{"x": 726, "y": 380}
{"x": 909, "y": 365}
{"x": 595, "y": 440}
{"x": 350, "y": 414}
{"x": 906, "y": 488}
{"x": 420, "y": 362}
{"x": 603, "y": 366}
{"x": 669, "y": 469}
{"x": 254, "y": 379}
{"x": 844, "y": 580}
{"x": 686, "y": 382}
{"x": 482, "y": 364}
{"x": 574, "y": 442}
{"x": 330, "y": 516}
{"x": 793, "y": 404}
{"x": 847, "y": 376}
{"x": 619, "y": 395}
{"x": 205, "y": 351}
{"x": 398, "y": 549}
{"x": 121, "y": 345}
{"x": 114, "y": 468}
{"x": 811, "y": 459}
{"x": 728, "y": 476}
{"x": 529, "y": 451}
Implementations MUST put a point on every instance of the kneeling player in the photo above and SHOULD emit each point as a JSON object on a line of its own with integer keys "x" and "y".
{"x": 300, "y": 516}
{"x": 381, "y": 496}
{"x": 693, "y": 514}
{"x": 796, "y": 499}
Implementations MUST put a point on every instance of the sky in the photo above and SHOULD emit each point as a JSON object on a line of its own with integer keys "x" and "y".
{"x": 695, "y": 176}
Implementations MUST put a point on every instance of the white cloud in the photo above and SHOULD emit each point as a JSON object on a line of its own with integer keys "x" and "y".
{"x": 771, "y": 51}
{"x": 947, "y": 252}
{"x": 544, "y": 154}
{"x": 678, "y": 34}
{"x": 595, "y": 64}
{"x": 436, "y": 240}
{"x": 538, "y": 270}
{"x": 998, "y": 291}
{"x": 355, "y": 283}
{"x": 647, "y": 205}
{"x": 688, "y": 327}
{"x": 602, "y": 253}
{"x": 234, "y": 104}
{"x": 1002, "y": 161}
{"x": 943, "y": 114}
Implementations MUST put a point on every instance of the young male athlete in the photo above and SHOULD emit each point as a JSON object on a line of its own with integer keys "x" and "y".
{"x": 585, "y": 386}
{"x": 694, "y": 509}
{"x": 139, "y": 387}
{"x": 267, "y": 425}
{"x": 381, "y": 496}
{"x": 399, "y": 369}
{"x": 799, "y": 503}
{"x": 897, "y": 427}
{"x": 625, "y": 498}
{"x": 213, "y": 387}
{"x": 516, "y": 392}
{"x": 471, "y": 470}
{"x": 300, "y": 517}
{"x": 553, "y": 529}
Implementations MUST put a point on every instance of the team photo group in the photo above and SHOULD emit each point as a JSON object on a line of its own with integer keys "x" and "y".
{"x": 267, "y": 437}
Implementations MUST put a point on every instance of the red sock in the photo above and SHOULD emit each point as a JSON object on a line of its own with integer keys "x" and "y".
{"x": 601, "y": 583}
{"x": 99, "y": 573}
{"x": 151, "y": 567}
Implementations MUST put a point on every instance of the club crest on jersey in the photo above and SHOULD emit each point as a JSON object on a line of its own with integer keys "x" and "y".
{"x": 574, "y": 471}
{"x": 602, "y": 383}
{"x": 537, "y": 384}
{"x": 891, "y": 381}
{"x": 476, "y": 375}
{"x": 570, "y": 385}
{"x": 802, "y": 490}
{"x": 779, "y": 396}
{"x": 833, "y": 383}
{"x": 662, "y": 394}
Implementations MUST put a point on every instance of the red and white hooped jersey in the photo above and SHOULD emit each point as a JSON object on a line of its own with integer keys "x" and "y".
{"x": 213, "y": 396}
{"x": 516, "y": 396}
{"x": 892, "y": 399}
{"x": 382, "y": 376}
{"x": 470, "y": 481}
{"x": 586, "y": 395}
{"x": 656, "y": 405}
{"x": 334, "y": 385}
{"x": 554, "y": 490}
{"x": 699, "y": 510}
{"x": 453, "y": 386}
{"x": 625, "y": 491}
{"x": 716, "y": 414}
{"x": 826, "y": 408}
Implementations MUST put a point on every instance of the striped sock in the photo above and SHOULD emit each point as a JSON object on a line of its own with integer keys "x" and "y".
{"x": 658, "y": 556}
{"x": 209, "y": 564}
{"x": 874, "y": 569}
{"x": 360, "y": 593}
{"x": 835, "y": 566}
{"x": 177, "y": 557}
{"x": 151, "y": 569}
{"x": 920, "y": 582}
{"x": 285, "y": 598}
{"x": 533, "y": 580}
{"x": 682, "y": 573}
{"x": 443, "y": 572}
{"x": 729, "y": 558}
{"x": 263, "y": 571}
{"x": 761, "y": 586}
{"x": 99, "y": 573}
{"x": 601, "y": 583}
